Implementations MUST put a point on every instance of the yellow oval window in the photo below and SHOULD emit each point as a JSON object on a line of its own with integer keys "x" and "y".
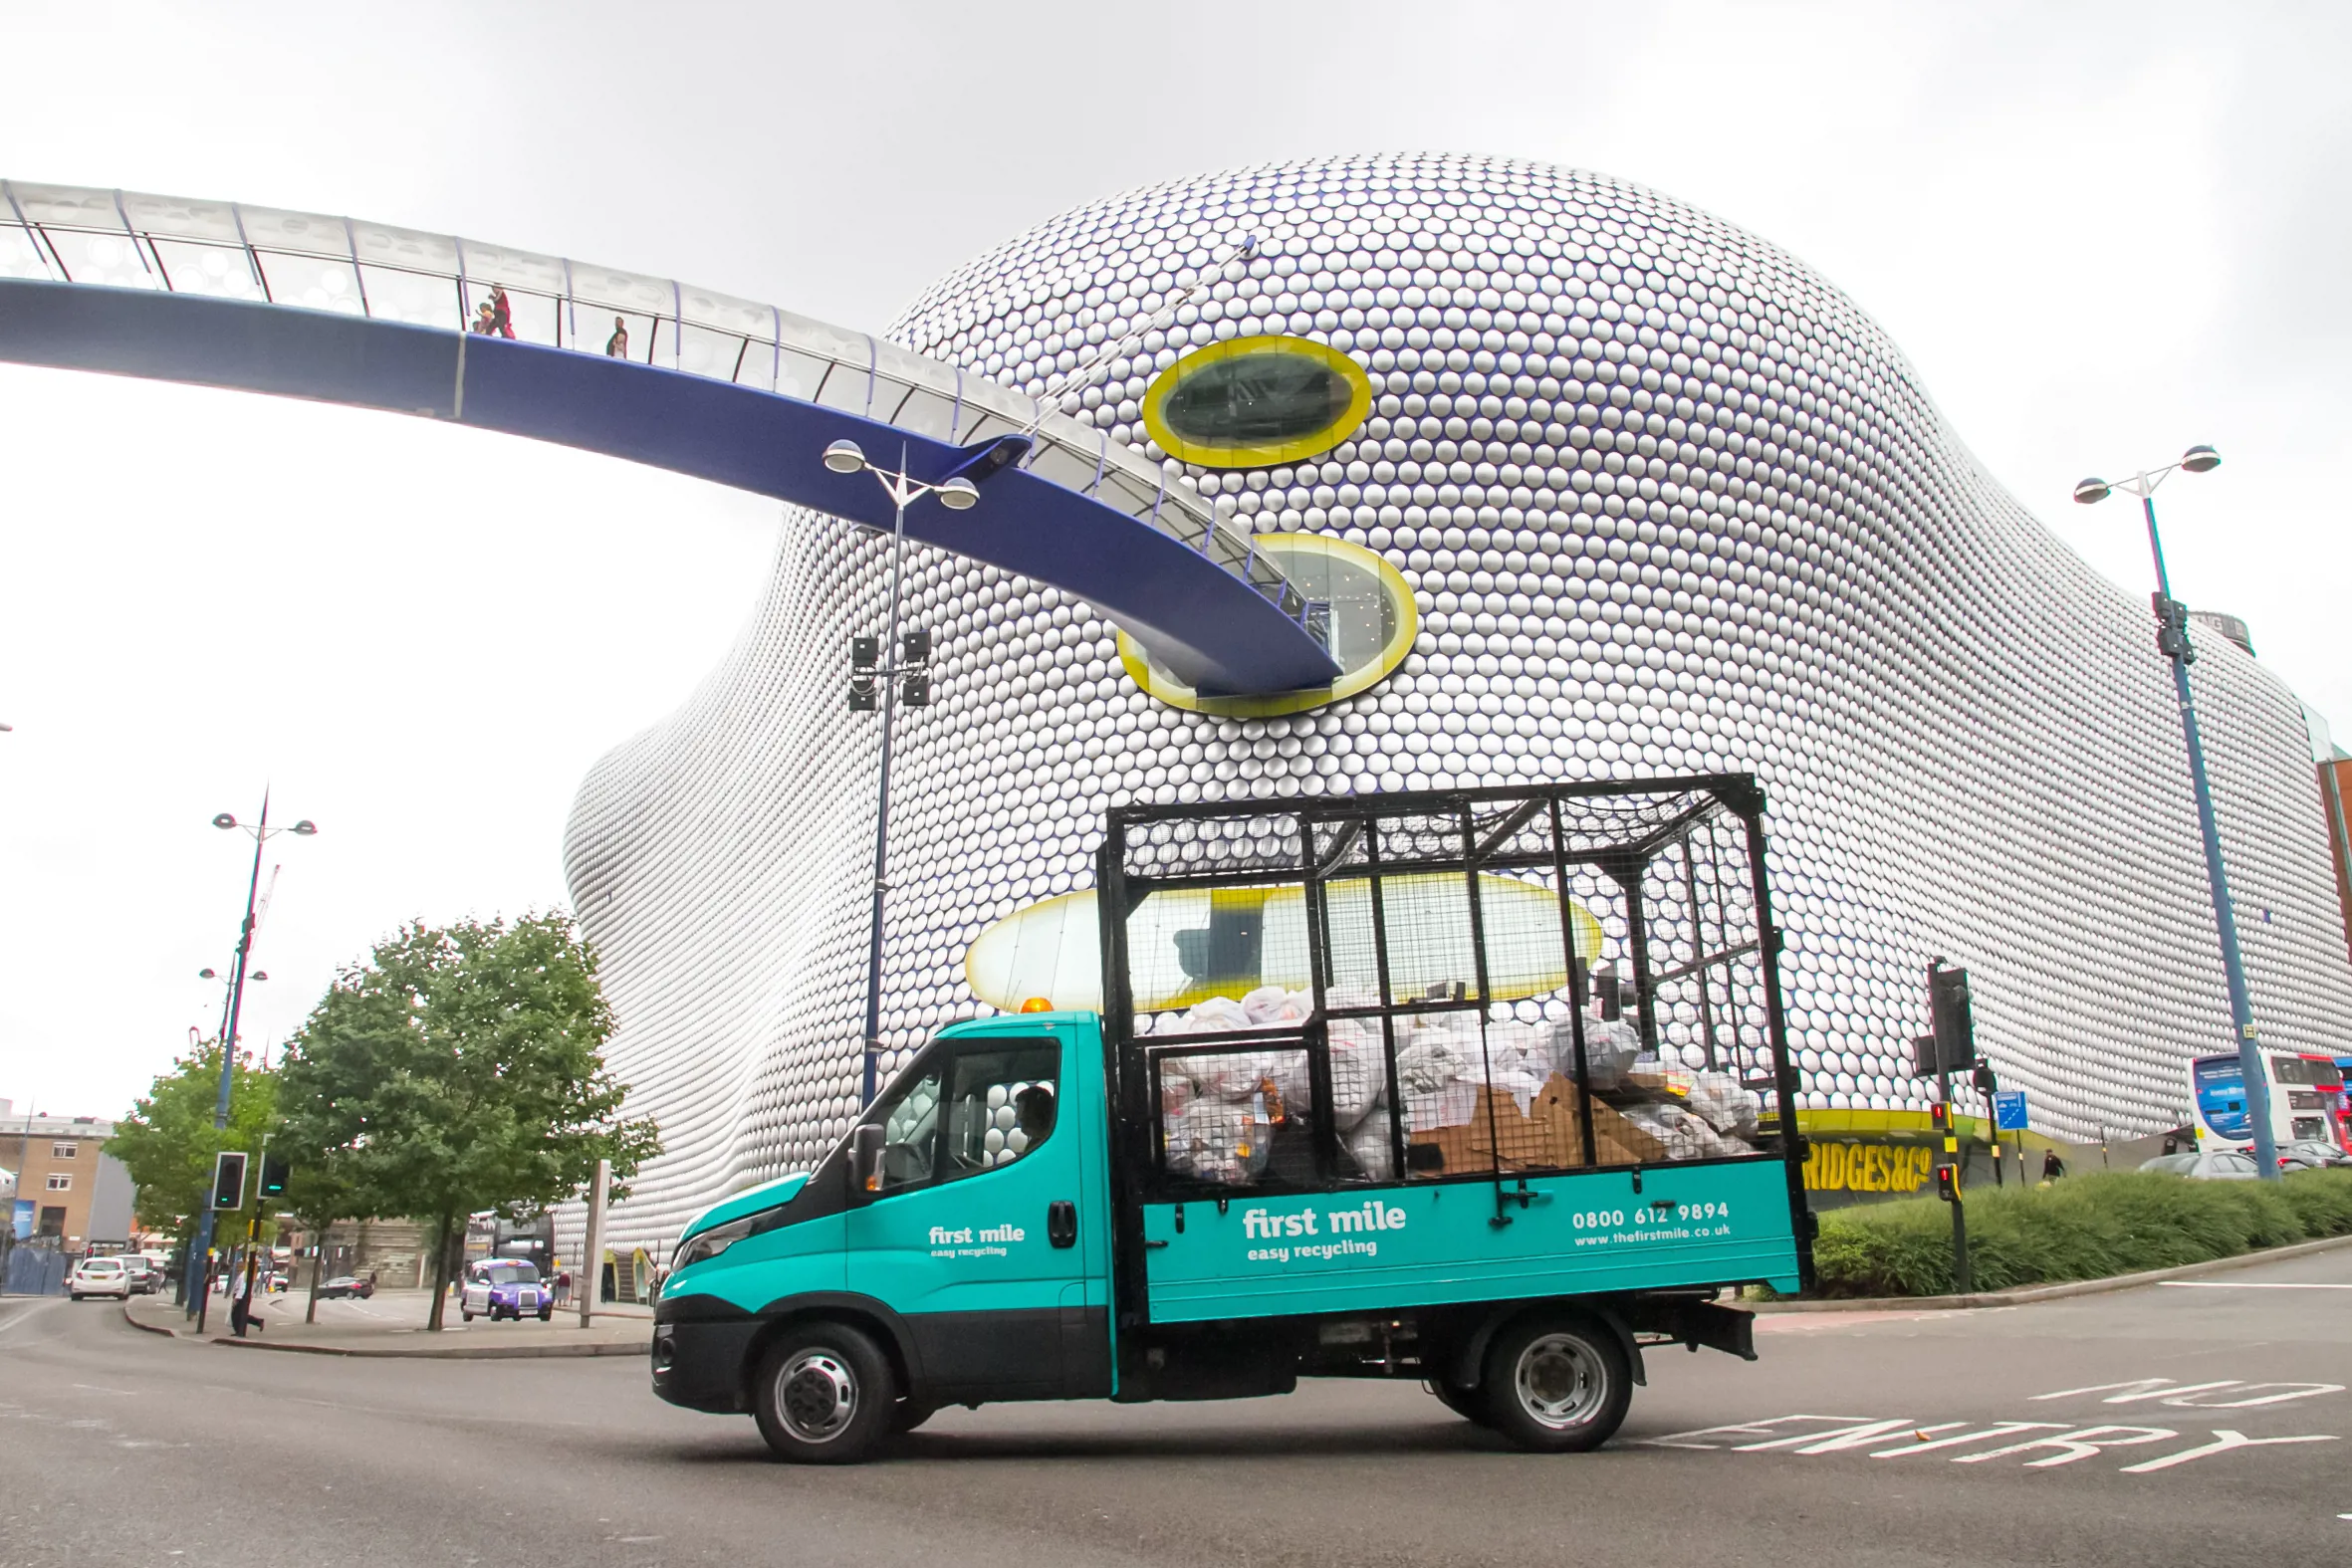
{"x": 1363, "y": 608}
{"x": 1253, "y": 402}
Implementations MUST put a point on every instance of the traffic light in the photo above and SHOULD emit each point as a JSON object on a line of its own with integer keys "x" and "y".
{"x": 1946, "y": 1187}
{"x": 865, "y": 653}
{"x": 273, "y": 1176}
{"x": 228, "y": 1179}
{"x": 914, "y": 660}
{"x": 1986, "y": 1080}
{"x": 1956, "y": 1031}
{"x": 2172, "y": 629}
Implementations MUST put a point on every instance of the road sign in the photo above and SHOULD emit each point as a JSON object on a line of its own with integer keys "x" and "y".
{"x": 2008, "y": 1110}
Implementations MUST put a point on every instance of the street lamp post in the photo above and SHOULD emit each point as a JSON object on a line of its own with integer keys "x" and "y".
{"x": 957, "y": 494}
{"x": 2172, "y": 640}
{"x": 199, "y": 1254}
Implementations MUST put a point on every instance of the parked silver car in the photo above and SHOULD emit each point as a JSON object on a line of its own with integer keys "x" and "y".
{"x": 2221, "y": 1165}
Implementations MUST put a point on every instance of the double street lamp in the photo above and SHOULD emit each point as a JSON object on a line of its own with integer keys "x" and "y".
{"x": 2172, "y": 640}
{"x": 263, "y": 832}
{"x": 957, "y": 494}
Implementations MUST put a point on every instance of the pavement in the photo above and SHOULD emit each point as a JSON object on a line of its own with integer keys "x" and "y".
{"x": 393, "y": 1323}
{"x": 2192, "y": 1421}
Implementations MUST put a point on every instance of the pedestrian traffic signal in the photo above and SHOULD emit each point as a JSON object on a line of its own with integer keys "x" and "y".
{"x": 273, "y": 1176}
{"x": 1947, "y": 1185}
{"x": 228, "y": 1179}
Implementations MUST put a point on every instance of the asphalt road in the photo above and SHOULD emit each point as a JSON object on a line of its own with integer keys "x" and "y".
{"x": 2187, "y": 1423}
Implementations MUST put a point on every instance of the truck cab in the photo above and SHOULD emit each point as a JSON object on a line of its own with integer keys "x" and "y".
{"x": 1285, "y": 1150}
{"x": 962, "y": 1229}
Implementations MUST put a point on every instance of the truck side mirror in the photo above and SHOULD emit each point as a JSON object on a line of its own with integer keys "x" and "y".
{"x": 865, "y": 1159}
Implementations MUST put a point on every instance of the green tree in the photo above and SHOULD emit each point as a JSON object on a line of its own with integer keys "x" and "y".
{"x": 461, "y": 1069}
{"x": 319, "y": 1193}
{"x": 168, "y": 1142}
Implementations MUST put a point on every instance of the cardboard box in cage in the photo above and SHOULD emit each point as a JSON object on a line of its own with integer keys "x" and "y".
{"x": 1549, "y": 1136}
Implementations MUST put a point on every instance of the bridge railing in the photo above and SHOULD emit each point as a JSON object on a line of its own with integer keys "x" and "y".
{"x": 312, "y": 260}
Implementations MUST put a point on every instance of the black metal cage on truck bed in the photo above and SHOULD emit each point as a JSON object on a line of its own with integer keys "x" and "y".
{"x": 1466, "y": 984}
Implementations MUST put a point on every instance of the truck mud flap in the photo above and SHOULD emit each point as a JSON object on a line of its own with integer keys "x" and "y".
{"x": 1702, "y": 1323}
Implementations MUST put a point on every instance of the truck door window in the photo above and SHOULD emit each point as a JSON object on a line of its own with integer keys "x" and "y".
{"x": 910, "y": 1123}
{"x": 1003, "y": 1101}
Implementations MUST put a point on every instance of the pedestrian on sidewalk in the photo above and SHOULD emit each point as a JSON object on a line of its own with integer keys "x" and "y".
{"x": 241, "y": 1311}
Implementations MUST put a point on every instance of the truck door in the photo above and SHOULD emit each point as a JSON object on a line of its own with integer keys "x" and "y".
{"x": 971, "y": 1235}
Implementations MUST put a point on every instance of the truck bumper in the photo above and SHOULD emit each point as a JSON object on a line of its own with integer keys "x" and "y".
{"x": 700, "y": 1363}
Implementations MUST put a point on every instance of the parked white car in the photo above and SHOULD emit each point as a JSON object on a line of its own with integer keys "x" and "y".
{"x": 98, "y": 1276}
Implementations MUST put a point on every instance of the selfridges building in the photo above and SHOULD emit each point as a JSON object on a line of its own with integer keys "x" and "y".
{"x": 1660, "y": 498}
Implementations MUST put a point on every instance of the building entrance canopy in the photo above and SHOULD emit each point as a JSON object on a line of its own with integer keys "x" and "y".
{"x": 659, "y": 373}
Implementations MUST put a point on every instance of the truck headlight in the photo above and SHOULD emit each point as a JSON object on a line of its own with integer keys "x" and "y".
{"x": 710, "y": 1243}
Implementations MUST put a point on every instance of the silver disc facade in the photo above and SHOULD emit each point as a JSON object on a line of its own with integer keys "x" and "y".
{"x": 1667, "y": 502}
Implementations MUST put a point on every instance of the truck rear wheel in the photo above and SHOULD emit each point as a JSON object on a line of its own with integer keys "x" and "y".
{"x": 824, "y": 1395}
{"x": 1556, "y": 1381}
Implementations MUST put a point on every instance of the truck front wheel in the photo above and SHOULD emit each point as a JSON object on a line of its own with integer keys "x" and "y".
{"x": 824, "y": 1395}
{"x": 1557, "y": 1383}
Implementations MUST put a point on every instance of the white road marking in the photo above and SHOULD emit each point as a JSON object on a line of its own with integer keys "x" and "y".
{"x": 1813, "y": 1436}
{"x": 22, "y": 1313}
{"x": 2002, "y": 1429}
{"x": 2198, "y": 1395}
{"x": 2223, "y": 1442}
{"x": 2079, "y": 1443}
{"x": 2245, "y": 1284}
{"x": 1859, "y": 1436}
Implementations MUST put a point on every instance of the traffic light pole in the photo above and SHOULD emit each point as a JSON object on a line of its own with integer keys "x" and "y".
{"x": 1961, "y": 1282}
{"x": 1954, "y": 1044}
{"x": 202, "y": 1252}
{"x": 873, "y": 958}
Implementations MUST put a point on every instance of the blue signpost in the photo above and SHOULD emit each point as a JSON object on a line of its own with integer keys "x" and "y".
{"x": 2009, "y": 1115}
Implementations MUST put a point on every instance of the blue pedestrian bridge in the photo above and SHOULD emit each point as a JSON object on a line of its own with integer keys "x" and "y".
{"x": 341, "y": 310}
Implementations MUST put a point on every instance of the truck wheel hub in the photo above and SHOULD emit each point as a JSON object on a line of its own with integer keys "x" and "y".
{"x": 1560, "y": 1382}
{"x": 817, "y": 1395}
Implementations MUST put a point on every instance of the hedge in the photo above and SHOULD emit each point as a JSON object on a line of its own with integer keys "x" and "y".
{"x": 2079, "y": 1228}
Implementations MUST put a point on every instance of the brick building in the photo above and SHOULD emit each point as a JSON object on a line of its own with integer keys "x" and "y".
{"x": 69, "y": 1191}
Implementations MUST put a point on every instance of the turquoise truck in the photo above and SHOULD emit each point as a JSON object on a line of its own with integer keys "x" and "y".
{"x": 1483, "y": 1089}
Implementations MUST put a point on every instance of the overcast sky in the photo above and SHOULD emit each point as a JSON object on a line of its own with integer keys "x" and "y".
{"x": 2101, "y": 233}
